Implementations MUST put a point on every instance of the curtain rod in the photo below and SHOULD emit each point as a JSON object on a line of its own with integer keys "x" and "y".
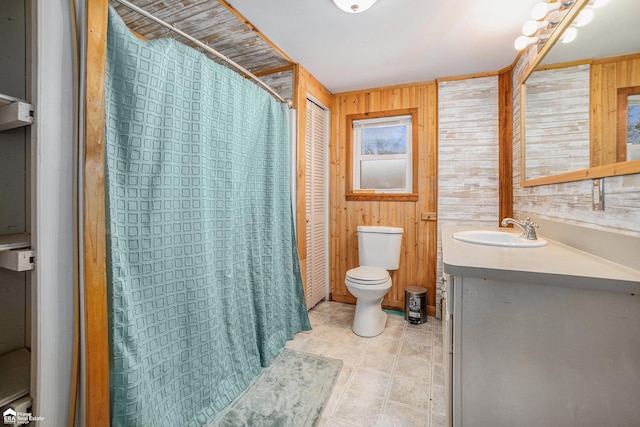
{"x": 205, "y": 47}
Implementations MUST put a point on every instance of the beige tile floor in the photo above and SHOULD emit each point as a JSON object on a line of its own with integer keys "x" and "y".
{"x": 393, "y": 380}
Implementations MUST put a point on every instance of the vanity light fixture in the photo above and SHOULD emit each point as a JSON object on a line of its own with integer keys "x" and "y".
{"x": 541, "y": 20}
{"x": 524, "y": 41}
{"x": 542, "y": 9}
{"x": 354, "y": 6}
{"x": 531, "y": 27}
{"x": 545, "y": 17}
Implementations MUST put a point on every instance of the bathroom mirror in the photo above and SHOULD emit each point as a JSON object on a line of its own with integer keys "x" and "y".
{"x": 628, "y": 129}
{"x": 572, "y": 99}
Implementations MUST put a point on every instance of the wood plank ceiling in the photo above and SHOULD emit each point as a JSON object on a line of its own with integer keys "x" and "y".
{"x": 213, "y": 22}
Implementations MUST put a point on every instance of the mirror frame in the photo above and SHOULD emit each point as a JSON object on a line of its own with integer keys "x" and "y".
{"x": 612, "y": 169}
{"x": 623, "y": 119}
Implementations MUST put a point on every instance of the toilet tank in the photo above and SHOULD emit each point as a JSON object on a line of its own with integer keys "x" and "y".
{"x": 379, "y": 246}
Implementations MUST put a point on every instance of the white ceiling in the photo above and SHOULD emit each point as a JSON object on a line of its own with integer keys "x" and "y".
{"x": 394, "y": 42}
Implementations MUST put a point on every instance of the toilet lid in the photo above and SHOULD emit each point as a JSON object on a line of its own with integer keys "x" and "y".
{"x": 365, "y": 275}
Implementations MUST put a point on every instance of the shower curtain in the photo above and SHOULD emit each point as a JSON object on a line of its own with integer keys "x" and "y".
{"x": 205, "y": 284}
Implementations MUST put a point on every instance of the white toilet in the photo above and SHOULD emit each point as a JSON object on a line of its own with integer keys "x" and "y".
{"x": 379, "y": 251}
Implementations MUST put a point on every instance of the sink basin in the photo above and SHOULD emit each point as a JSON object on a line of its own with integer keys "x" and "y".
{"x": 497, "y": 238}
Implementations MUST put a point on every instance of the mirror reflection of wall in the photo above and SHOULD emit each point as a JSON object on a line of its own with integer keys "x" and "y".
{"x": 557, "y": 123}
{"x": 633, "y": 128}
{"x": 609, "y": 49}
{"x": 610, "y": 79}
{"x": 628, "y": 133}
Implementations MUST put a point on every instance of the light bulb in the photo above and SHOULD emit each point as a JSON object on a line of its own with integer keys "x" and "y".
{"x": 524, "y": 41}
{"x": 584, "y": 17}
{"x": 540, "y": 10}
{"x": 569, "y": 35}
{"x": 530, "y": 27}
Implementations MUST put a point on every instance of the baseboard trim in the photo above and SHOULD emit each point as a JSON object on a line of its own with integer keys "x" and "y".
{"x": 391, "y": 305}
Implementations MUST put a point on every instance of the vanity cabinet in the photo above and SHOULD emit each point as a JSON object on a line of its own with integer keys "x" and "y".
{"x": 541, "y": 336}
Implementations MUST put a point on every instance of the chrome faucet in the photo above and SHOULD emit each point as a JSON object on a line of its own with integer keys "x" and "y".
{"x": 528, "y": 227}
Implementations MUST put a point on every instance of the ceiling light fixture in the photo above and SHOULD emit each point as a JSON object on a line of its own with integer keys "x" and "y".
{"x": 354, "y": 6}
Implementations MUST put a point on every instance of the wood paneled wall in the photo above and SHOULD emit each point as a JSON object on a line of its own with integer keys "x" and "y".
{"x": 607, "y": 76}
{"x": 419, "y": 241}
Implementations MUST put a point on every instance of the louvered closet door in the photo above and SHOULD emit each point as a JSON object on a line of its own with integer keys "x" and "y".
{"x": 316, "y": 202}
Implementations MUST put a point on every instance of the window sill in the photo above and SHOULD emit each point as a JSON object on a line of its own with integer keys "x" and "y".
{"x": 404, "y": 197}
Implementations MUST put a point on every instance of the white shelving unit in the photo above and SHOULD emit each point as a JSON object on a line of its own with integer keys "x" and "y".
{"x": 15, "y": 371}
{"x": 14, "y": 252}
{"x": 15, "y": 366}
{"x": 17, "y": 171}
{"x": 14, "y": 112}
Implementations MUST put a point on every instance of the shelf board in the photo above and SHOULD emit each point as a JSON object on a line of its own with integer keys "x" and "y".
{"x": 8, "y": 99}
{"x": 15, "y": 241}
{"x": 15, "y": 370}
{"x": 15, "y": 115}
{"x": 14, "y": 112}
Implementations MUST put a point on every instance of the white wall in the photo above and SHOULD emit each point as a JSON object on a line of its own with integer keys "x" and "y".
{"x": 467, "y": 154}
{"x": 52, "y": 188}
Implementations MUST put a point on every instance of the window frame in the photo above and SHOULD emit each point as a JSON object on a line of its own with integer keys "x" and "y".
{"x": 357, "y": 194}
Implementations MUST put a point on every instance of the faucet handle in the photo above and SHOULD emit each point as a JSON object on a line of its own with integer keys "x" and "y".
{"x": 530, "y": 229}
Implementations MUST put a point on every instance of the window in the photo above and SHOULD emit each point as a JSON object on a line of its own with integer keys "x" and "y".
{"x": 383, "y": 155}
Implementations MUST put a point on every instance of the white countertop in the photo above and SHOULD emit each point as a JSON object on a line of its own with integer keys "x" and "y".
{"x": 554, "y": 264}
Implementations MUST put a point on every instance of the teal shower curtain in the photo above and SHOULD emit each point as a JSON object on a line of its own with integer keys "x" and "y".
{"x": 205, "y": 287}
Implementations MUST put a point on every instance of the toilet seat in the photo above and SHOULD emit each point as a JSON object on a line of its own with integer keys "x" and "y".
{"x": 365, "y": 275}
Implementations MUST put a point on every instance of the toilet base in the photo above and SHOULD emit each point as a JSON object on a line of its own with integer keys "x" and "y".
{"x": 369, "y": 319}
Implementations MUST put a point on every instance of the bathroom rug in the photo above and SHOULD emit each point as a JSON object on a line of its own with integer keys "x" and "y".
{"x": 291, "y": 392}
